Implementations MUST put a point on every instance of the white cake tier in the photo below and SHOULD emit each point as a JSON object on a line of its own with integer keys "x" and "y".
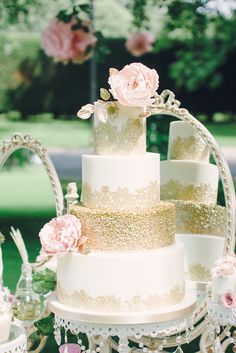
{"x": 190, "y": 181}
{"x": 121, "y": 182}
{"x": 185, "y": 143}
{"x": 201, "y": 252}
{"x": 123, "y": 133}
{"x": 221, "y": 285}
{"x": 122, "y": 282}
{"x": 5, "y": 323}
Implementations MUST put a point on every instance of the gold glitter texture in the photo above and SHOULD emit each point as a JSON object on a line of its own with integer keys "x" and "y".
{"x": 121, "y": 198}
{"x": 197, "y": 272}
{"x": 174, "y": 190}
{"x": 189, "y": 148}
{"x": 127, "y": 230}
{"x": 112, "y": 140}
{"x": 81, "y": 300}
{"x": 198, "y": 218}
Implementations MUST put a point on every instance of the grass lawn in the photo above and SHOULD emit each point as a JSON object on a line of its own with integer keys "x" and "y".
{"x": 225, "y": 134}
{"x": 57, "y": 134}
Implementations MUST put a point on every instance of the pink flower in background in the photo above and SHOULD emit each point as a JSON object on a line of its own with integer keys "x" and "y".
{"x": 134, "y": 85}
{"x": 228, "y": 299}
{"x": 62, "y": 235}
{"x": 81, "y": 43}
{"x": 140, "y": 43}
{"x": 56, "y": 40}
{"x": 61, "y": 42}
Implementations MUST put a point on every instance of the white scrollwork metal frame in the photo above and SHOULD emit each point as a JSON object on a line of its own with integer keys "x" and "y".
{"x": 166, "y": 104}
{"x": 18, "y": 141}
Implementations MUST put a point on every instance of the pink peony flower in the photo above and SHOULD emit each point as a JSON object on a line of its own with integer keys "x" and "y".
{"x": 62, "y": 235}
{"x": 81, "y": 43}
{"x": 228, "y": 299}
{"x": 140, "y": 43}
{"x": 63, "y": 43}
{"x": 56, "y": 40}
{"x": 134, "y": 85}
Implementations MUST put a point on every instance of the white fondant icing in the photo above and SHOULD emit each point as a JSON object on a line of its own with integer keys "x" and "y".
{"x": 124, "y": 275}
{"x": 220, "y": 285}
{"x": 5, "y": 322}
{"x": 201, "y": 251}
{"x": 123, "y": 133}
{"x": 133, "y": 173}
{"x": 190, "y": 173}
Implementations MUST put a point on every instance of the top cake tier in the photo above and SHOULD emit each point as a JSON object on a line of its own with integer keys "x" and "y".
{"x": 186, "y": 144}
{"x": 124, "y": 131}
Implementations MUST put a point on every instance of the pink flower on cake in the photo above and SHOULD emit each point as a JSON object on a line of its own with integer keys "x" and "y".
{"x": 134, "y": 85}
{"x": 62, "y": 235}
{"x": 140, "y": 43}
{"x": 228, "y": 299}
{"x": 60, "y": 41}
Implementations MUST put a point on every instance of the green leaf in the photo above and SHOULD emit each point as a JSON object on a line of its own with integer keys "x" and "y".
{"x": 44, "y": 281}
{"x": 45, "y": 325}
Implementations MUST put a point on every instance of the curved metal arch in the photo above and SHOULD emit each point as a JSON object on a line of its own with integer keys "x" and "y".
{"x": 18, "y": 141}
{"x": 166, "y": 104}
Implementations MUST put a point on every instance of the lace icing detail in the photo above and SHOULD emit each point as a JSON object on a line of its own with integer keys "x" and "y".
{"x": 189, "y": 148}
{"x": 130, "y": 138}
{"x": 197, "y": 272}
{"x": 121, "y": 198}
{"x": 203, "y": 192}
{"x": 81, "y": 300}
{"x": 149, "y": 228}
{"x": 194, "y": 218}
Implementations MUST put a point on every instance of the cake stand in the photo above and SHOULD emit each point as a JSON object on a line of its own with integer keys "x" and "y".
{"x": 17, "y": 342}
{"x": 159, "y": 323}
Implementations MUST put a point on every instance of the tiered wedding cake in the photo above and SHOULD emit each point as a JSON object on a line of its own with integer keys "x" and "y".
{"x": 130, "y": 261}
{"x": 191, "y": 182}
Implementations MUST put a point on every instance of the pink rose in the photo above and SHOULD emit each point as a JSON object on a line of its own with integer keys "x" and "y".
{"x": 140, "y": 43}
{"x": 134, "y": 85}
{"x": 61, "y": 42}
{"x": 56, "y": 40}
{"x": 81, "y": 43}
{"x": 228, "y": 299}
{"x": 62, "y": 235}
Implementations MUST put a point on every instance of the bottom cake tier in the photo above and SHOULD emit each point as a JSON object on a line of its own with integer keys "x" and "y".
{"x": 122, "y": 281}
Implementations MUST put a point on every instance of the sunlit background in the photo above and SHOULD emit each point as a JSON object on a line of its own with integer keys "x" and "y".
{"x": 192, "y": 45}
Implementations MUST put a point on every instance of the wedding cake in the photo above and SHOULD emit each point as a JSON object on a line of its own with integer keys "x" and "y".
{"x": 191, "y": 182}
{"x": 223, "y": 288}
{"x": 128, "y": 259}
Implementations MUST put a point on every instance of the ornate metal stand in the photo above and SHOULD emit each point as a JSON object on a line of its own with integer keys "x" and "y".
{"x": 17, "y": 342}
{"x": 220, "y": 320}
{"x": 102, "y": 326}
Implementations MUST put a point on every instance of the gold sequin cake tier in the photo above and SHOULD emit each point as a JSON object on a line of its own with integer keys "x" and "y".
{"x": 199, "y": 218}
{"x": 127, "y": 230}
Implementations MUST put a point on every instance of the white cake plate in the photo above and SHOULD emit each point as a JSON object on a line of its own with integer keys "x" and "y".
{"x": 154, "y": 323}
{"x": 17, "y": 342}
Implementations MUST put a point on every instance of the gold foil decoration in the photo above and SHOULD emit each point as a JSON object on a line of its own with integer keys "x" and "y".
{"x": 199, "y": 218}
{"x": 128, "y": 229}
{"x": 197, "y": 272}
{"x": 174, "y": 190}
{"x": 112, "y": 140}
{"x": 110, "y": 303}
{"x": 189, "y": 148}
{"x": 121, "y": 198}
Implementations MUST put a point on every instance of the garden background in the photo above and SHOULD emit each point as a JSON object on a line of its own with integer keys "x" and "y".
{"x": 194, "y": 53}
